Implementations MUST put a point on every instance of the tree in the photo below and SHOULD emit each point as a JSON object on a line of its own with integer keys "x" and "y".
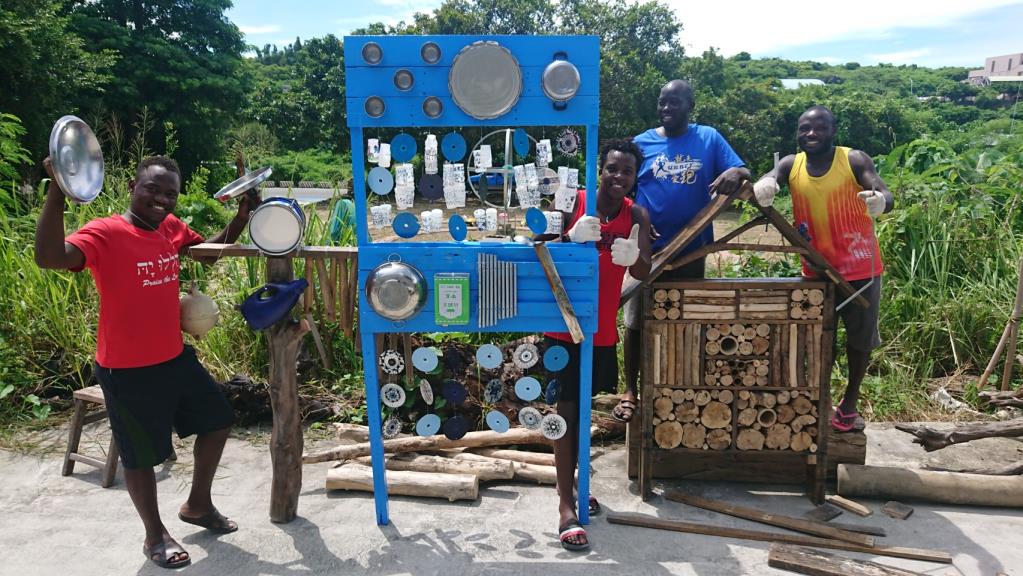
{"x": 180, "y": 58}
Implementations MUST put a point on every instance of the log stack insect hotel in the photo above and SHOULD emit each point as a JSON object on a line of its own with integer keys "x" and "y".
{"x": 736, "y": 372}
{"x": 477, "y": 83}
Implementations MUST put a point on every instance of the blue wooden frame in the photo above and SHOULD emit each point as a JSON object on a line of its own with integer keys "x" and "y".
{"x": 577, "y": 264}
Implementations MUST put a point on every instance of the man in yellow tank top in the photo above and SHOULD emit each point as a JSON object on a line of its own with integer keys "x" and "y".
{"x": 836, "y": 194}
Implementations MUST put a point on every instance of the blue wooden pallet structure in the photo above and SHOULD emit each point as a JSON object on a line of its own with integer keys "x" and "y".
{"x": 374, "y": 78}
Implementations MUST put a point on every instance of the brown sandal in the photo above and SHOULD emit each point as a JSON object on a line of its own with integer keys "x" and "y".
{"x": 213, "y": 521}
{"x": 163, "y": 554}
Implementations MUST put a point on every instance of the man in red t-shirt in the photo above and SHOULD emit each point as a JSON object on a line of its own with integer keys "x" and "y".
{"x": 621, "y": 231}
{"x": 151, "y": 381}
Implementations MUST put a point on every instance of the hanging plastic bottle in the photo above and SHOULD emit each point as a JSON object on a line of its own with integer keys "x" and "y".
{"x": 430, "y": 154}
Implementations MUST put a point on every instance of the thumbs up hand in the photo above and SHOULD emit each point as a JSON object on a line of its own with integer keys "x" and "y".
{"x": 625, "y": 251}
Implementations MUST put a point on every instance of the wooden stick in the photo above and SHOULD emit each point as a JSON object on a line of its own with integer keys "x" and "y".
{"x": 1010, "y": 351}
{"x": 982, "y": 383}
{"x": 332, "y": 280}
{"x": 539, "y": 458}
{"x": 928, "y": 486}
{"x": 353, "y": 287}
{"x": 560, "y": 295}
{"x": 680, "y": 364}
{"x": 793, "y": 348}
{"x": 816, "y": 563}
{"x": 670, "y": 356}
{"x": 932, "y": 439}
{"x": 645, "y": 521}
{"x": 425, "y": 484}
{"x": 326, "y": 291}
{"x": 324, "y": 357}
{"x": 849, "y": 505}
{"x": 523, "y": 471}
{"x": 800, "y": 354}
{"x": 797, "y": 524}
{"x": 421, "y": 443}
{"x": 344, "y": 297}
{"x": 307, "y": 295}
{"x": 485, "y": 471}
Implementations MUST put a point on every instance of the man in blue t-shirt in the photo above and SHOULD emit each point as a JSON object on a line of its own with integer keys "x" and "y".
{"x": 683, "y": 165}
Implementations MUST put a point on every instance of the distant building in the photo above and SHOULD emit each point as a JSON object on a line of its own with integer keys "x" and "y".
{"x": 997, "y": 66}
{"x": 797, "y": 83}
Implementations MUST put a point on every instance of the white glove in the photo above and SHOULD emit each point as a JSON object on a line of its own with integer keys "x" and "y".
{"x": 874, "y": 201}
{"x": 586, "y": 229}
{"x": 625, "y": 251}
{"x": 764, "y": 190}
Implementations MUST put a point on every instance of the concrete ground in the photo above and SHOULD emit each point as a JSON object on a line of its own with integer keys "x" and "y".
{"x": 70, "y": 525}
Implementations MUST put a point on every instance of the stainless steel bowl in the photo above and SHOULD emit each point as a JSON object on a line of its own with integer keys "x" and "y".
{"x": 396, "y": 290}
{"x": 77, "y": 159}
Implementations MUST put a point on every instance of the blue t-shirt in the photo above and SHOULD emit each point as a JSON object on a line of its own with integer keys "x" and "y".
{"x": 675, "y": 176}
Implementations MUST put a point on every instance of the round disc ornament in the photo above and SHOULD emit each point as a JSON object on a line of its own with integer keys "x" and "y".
{"x": 380, "y": 180}
{"x": 453, "y": 392}
{"x": 431, "y": 186}
{"x": 405, "y": 225}
{"x": 549, "y": 181}
{"x": 77, "y": 159}
{"x": 526, "y": 356}
{"x": 452, "y": 146}
{"x": 391, "y": 362}
{"x": 568, "y": 142}
{"x": 485, "y": 80}
{"x": 555, "y": 358}
{"x": 392, "y": 395}
{"x": 497, "y": 421}
{"x": 520, "y": 141}
{"x": 527, "y": 388}
{"x": 457, "y": 227}
{"x": 489, "y": 357}
{"x": 552, "y": 392}
{"x": 403, "y": 147}
{"x": 455, "y": 427}
{"x": 426, "y": 391}
{"x": 536, "y": 221}
{"x": 553, "y": 426}
{"x": 494, "y": 391}
{"x": 428, "y": 425}
{"x": 425, "y": 359}
{"x": 530, "y": 418}
{"x": 392, "y": 427}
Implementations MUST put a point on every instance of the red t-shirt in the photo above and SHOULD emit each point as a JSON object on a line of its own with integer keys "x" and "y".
{"x": 136, "y": 275}
{"x": 609, "y": 287}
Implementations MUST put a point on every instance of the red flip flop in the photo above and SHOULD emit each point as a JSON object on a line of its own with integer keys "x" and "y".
{"x": 842, "y": 422}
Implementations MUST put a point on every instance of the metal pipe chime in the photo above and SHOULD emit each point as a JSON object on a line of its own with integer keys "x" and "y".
{"x": 498, "y": 287}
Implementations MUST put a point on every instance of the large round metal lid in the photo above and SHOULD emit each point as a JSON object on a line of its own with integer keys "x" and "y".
{"x": 396, "y": 290}
{"x": 243, "y": 184}
{"x": 77, "y": 159}
{"x": 485, "y": 80}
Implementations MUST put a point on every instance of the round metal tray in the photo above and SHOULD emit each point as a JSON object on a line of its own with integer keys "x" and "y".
{"x": 77, "y": 159}
{"x": 243, "y": 184}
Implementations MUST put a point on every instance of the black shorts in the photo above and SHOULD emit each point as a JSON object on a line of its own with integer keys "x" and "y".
{"x": 145, "y": 403}
{"x": 861, "y": 331}
{"x": 605, "y": 370}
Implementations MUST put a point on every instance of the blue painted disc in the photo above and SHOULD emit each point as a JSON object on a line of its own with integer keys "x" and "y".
{"x": 497, "y": 421}
{"x": 555, "y": 358}
{"x": 527, "y": 388}
{"x": 405, "y": 225}
{"x": 536, "y": 221}
{"x": 428, "y": 425}
{"x": 380, "y": 180}
{"x": 457, "y": 227}
{"x": 455, "y": 427}
{"x": 424, "y": 359}
{"x": 520, "y": 141}
{"x": 552, "y": 393}
{"x": 403, "y": 147}
{"x": 489, "y": 356}
{"x": 453, "y": 392}
{"x": 452, "y": 146}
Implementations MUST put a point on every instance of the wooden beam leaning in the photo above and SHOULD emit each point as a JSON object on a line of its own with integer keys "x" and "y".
{"x": 645, "y": 521}
{"x": 816, "y": 563}
{"x": 425, "y": 443}
{"x": 797, "y": 524}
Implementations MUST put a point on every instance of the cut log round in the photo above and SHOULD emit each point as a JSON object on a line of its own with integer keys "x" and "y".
{"x": 801, "y": 422}
{"x": 712, "y": 334}
{"x": 767, "y": 399}
{"x": 744, "y": 394}
{"x": 702, "y": 398}
{"x": 749, "y": 380}
{"x": 778, "y": 437}
{"x": 801, "y": 405}
{"x": 675, "y": 295}
{"x": 693, "y": 435}
{"x": 678, "y": 396}
{"x": 726, "y": 380}
{"x": 797, "y": 296}
{"x": 760, "y": 345}
{"x": 761, "y": 370}
{"x": 656, "y": 420}
{"x": 718, "y": 439}
{"x": 800, "y": 442}
{"x": 674, "y": 313}
{"x": 796, "y": 313}
{"x": 715, "y": 415}
{"x": 714, "y": 394}
{"x": 713, "y": 347}
{"x": 747, "y": 416}
{"x": 668, "y": 435}
{"x": 749, "y": 439}
{"x": 815, "y": 297}
{"x": 728, "y": 345}
{"x": 785, "y": 413}
{"x": 660, "y": 295}
{"x": 663, "y": 407}
{"x": 687, "y": 412}
{"x": 660, "y": 313}
{"x": 741, "y": 403}
{"x": 690, "y": 394}
{"x": 725, "y": 396}
{"x": 749, "y": 333}
{"x": 812, "y": 312}
{"x": 745, "y": 348}
{"x": 737, "y": 329}
{"x": 782, "y": 397}
{"x": 762, "y": 381}
{"x": 763, "y": 330}
{"x": 767, "y": 417}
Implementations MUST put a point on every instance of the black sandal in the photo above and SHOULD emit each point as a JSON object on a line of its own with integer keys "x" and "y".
{"x": 213, "y": 521}
{"x": 594, "y": 506}
{"x": 163, "y": 554}
{"x": 570, "y": 531}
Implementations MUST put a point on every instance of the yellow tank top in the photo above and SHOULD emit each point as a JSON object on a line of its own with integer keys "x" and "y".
{"x": 828, "y": 212}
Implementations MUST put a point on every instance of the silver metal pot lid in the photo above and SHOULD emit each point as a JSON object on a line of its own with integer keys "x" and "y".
{"x": 485, "y": 80}
{"x": 243, "y": 184}
{"x": 77, "y": 159}
{"x": 396, "y": 290}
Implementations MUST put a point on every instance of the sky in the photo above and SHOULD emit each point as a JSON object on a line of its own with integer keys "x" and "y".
{"x": 923, "y": 32}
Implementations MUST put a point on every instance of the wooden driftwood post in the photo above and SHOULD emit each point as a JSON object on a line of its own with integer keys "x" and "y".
{"x": 286, "y": 436}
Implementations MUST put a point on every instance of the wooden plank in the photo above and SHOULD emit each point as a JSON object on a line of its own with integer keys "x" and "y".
{"x": 793, "y": 347}
{"x": 800, "y": 354}
{"x": 353, "y": 287}
{"x": 662, "y": 360}
{"x": 697, "y": 293}
{"x": 406, "y": 483}
{"x": 680, "y": 365}
{"x": 701, "y": 353}
{"x": 816, "y": 563}
{"x": 849, "y": 505}
{"x": 514, "y": 436}
{"x": 897, "y": 510}
{"x": 307, "y": 295}
{"x": 861, "y": 528}
{"x": 775, "y": 344}
{"x": 644, "y": 521}
{"x": 797, "y": 524}
{"x": 671, "y": 353}
{"x": 326, "y": 289}
{"x": 207, "y": 249}
{"x": 558, "y": 288}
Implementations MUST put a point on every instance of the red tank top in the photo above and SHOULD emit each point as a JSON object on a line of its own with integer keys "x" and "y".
{"x": 611, "y": 275}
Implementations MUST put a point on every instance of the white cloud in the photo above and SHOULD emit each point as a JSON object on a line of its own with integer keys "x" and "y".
{"x": 264, "y": 29}
{"x": 903, "y": 57}
{"x": 765, "y": 28}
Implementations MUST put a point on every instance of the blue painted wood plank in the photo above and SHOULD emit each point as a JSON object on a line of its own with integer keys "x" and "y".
{"x": 433, "y": 81}
{"x": 529, "y": 50}
{"x": 402, "y": 111}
